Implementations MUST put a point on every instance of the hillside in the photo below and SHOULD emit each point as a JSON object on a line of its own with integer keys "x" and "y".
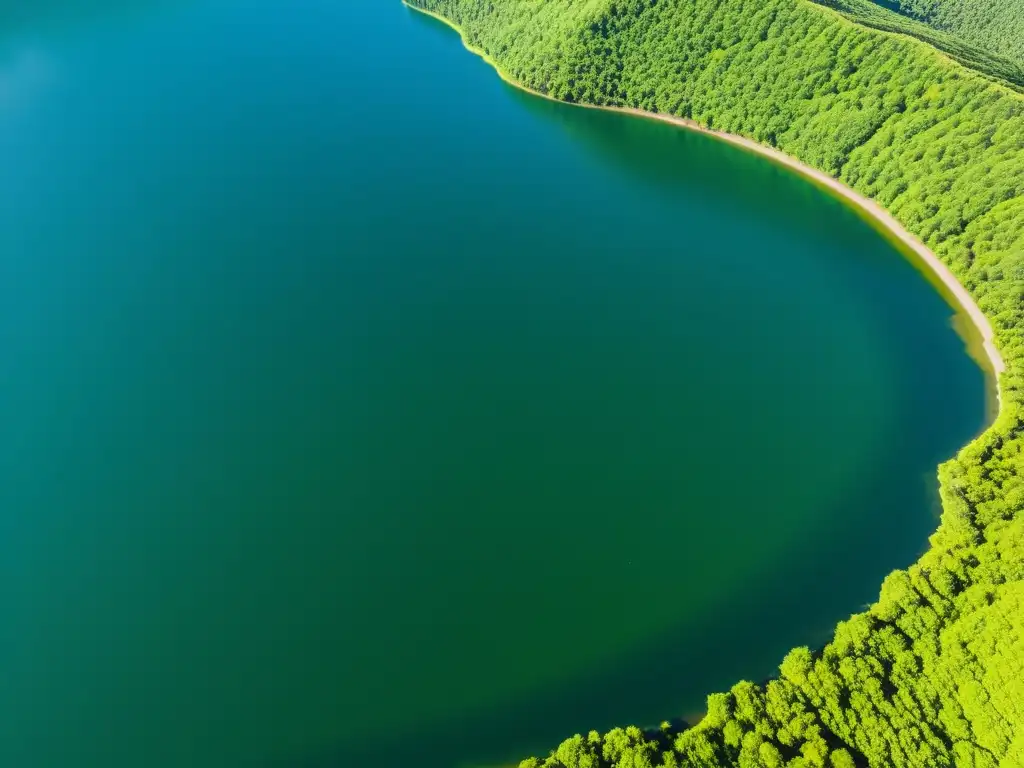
{"x": 996, "y": 25}
{"x": 933, "y": 673}
{"x": 996, "y": 55}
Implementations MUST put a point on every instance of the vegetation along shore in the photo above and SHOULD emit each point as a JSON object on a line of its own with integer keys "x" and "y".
{"x": 957, "y": 294}
{"x": 912, "y": 113}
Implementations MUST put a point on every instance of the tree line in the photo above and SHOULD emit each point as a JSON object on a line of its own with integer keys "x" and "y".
{"x": 932, "y": 674}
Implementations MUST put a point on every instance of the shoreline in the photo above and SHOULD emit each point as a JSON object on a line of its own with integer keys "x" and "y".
{"x": 919, "y": 254}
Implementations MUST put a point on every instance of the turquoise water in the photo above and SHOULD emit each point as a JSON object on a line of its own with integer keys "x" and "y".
{"x": 361, "y": 410}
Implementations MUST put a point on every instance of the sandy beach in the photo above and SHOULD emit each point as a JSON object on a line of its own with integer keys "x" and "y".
{"x": 962, "y": 299}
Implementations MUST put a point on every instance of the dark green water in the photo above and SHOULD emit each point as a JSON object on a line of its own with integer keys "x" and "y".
{"x": 360, "y": 410}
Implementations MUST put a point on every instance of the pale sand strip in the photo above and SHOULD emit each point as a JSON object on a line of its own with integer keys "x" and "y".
{"x": 961, "y": 299}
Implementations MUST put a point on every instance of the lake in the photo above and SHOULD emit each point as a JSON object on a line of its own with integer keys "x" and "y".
{"x": 359, "y": 409}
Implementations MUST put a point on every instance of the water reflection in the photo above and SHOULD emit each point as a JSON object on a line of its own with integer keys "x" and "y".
{"x": 25, "y": 61}
{"x": 679, "y": 162}
{"x": 22, "y": 72}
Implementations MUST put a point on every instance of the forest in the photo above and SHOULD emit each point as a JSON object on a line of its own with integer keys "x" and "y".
{"x": 997, "y": 55}
{"x": 997, "y": 25}
{"x": 932, "y": 674}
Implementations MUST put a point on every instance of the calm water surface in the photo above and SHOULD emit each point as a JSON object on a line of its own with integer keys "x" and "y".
{"x": 359, "y": 410}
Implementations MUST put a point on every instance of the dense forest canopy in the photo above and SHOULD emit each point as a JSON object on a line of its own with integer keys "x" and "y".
{"x": 933, "y": 673}
{"x": 978, "y": 51}
{"x": 996, "y": 25}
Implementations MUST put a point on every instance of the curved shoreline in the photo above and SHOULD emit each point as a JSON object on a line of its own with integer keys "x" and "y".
{"x": 954, "y": 292}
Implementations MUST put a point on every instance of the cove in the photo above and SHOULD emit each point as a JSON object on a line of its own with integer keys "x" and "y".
{"x": 360, "y": 409}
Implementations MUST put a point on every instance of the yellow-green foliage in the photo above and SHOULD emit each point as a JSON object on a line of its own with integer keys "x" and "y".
{"x": 933, "y": 674}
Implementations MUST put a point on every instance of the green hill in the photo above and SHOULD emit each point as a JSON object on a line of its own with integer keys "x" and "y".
{"x": 999, "y": 54}
{"x": 931, "y": 675}
{"x": 995, "y": 25}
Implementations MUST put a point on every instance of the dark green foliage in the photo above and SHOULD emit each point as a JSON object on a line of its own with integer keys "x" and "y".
{"x": 932, "y": 675}
{"x": 1001, "y": 56}
{"x": 995, "y": 25}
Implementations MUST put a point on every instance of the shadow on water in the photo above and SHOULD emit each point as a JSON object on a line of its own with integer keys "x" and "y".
{"x": 671, "y": 159}
{"x": 712, "y": 168}
{"x": 796, "y": 602}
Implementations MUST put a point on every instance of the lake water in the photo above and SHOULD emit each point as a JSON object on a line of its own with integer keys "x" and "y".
{"x": 360, "y": 410}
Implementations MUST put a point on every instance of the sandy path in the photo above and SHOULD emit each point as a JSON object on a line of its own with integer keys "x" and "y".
{"x": 962, "y": 300}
